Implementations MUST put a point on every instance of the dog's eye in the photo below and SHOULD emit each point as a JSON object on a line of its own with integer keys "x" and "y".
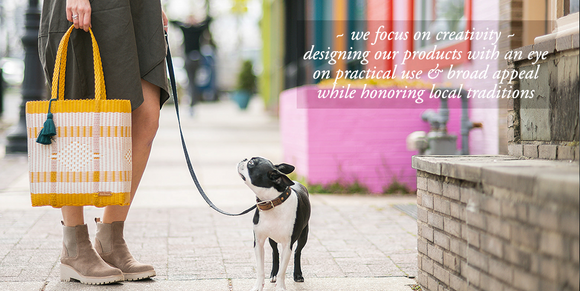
{"x": 251, "y": 163}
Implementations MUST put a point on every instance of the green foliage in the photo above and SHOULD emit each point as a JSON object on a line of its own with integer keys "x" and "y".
{"x": 339, "y": 187}
{"x": 247, "y": 78}
{"x": 355, "y": 187}
{"x": 396, "y": 187}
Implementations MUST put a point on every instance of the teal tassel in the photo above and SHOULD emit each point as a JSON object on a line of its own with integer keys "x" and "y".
{"x": 48, "y": 130}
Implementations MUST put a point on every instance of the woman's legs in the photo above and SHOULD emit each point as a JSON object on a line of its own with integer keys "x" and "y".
{"x": 145, "y": 121}
{"x": 109, "y": 260}
{"x": 72, "y": 215}
{"x": 109, "y": 241}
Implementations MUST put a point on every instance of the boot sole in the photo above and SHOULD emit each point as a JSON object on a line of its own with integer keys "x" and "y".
{"x": 67, "y": 273}
{"x": 139, "y": 276}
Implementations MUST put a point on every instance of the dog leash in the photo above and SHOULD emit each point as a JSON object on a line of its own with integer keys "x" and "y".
{"x": 185, "y": 152}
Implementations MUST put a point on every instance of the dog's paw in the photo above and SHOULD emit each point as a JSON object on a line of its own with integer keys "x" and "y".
{"x": 298, "y": 279}
{"x": 281, "y": 285}
{"x": 258, "y": 287}
{"x": 273, "y": 279}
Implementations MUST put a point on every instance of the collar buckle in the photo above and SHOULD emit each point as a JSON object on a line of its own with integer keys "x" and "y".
{"x": 269, "y": 204}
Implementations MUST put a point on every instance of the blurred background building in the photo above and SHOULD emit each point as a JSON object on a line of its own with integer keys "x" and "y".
{"x": 304, "y": 23}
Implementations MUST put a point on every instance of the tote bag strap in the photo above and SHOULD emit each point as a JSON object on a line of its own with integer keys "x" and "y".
{"x": 58, "y": 81}
{"x": 58, "y": 77}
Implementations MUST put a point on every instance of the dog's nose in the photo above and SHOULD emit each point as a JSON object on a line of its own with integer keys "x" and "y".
{"x": 244, "y": 160}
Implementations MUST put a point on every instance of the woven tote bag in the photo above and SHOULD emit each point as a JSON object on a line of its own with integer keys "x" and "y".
{"x": 79, "y": 151}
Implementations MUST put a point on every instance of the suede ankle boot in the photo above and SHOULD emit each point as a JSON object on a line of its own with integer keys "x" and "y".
{"x": 80, "y": 261}
{"x": 110, "y": 244}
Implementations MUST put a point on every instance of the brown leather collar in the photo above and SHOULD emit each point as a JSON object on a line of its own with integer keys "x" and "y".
{"x": 269, "y": 204}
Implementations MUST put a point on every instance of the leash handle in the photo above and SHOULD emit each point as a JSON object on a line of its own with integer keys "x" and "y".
{"x": 185, "y": 152}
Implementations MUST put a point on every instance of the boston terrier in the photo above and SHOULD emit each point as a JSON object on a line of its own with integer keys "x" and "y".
{"x": 282, "y": 213}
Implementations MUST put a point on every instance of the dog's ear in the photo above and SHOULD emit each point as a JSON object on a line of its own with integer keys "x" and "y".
{"x": 285, "y": 168}
{"x": 279, "y": 178}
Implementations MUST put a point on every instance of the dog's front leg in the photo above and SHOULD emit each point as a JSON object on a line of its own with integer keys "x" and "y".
{"x": 275, "y": 261}
{"x": 259, "y": 250}
{"x": 286, "y": 252}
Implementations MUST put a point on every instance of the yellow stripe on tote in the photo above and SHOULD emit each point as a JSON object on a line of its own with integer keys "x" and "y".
{"x": 78, "y": 106}
{"x": 79, "y": 177}
{"x": 80, "y": 199}
{"x": 115, "y": 131}
{"x": 84, "y": 131}
{"x": 33, "y": 132}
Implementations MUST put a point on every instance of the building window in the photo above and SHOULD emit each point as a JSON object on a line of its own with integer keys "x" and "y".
{"x": 322, "y": 31}
{"x": 570, "y": 6}
{"x": 434, "y": 16}
{"x": 356, "y": 22}
{"x": 563, "y": 19}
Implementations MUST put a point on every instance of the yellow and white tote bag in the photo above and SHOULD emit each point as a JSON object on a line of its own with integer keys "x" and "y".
{"x": 79, "y": 151}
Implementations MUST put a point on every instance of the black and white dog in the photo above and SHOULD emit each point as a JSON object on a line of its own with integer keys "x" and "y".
{"x": 282, "y": 216}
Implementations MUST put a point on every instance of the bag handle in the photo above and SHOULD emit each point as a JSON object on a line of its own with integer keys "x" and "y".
{"x": 58, "y": 77}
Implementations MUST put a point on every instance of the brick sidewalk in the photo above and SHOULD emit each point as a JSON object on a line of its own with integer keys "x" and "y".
{"x": 355, "y": 242}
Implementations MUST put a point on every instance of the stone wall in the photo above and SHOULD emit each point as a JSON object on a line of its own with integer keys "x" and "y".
{"x": 547, "y": 126}
{"x": 497, "y": 223}
{"x": 510, "y": 23}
